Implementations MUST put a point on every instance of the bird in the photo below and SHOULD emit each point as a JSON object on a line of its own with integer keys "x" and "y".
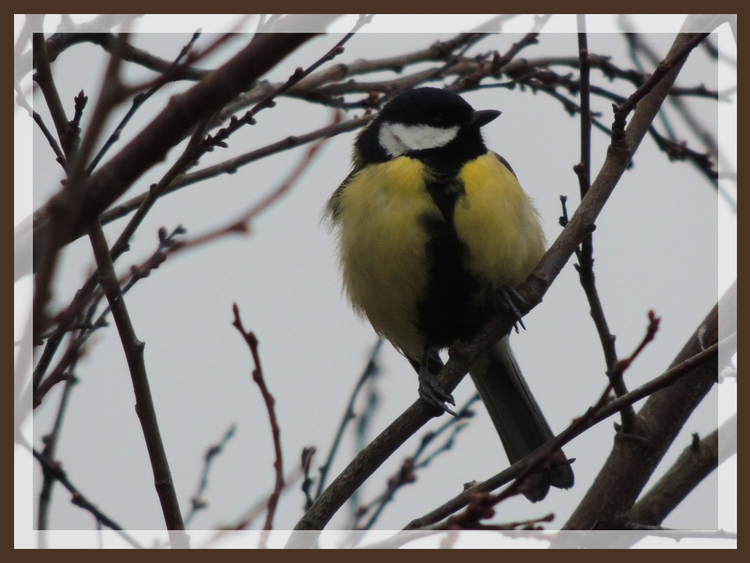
{"x": 434, "y": 233}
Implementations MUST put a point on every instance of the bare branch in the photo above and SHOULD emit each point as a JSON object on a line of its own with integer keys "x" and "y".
{"x": 54, "y": 469}
{"x": 100, "y": 190}
{"x": 44, "y": 79}
{"x": 697, "y": 461}
{"x": 59, "y": 211}
{"x": 637, "y": 454}
{"x": 278, "y": 465}
{"x": 371, "y": 369}
{"x": 144, "y": 403}
{"x": 197, "y": 501}
{"x": 593, "y": 416}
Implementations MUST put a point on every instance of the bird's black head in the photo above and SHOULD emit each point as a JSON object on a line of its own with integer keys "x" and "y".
{"x": 430, "y": 124}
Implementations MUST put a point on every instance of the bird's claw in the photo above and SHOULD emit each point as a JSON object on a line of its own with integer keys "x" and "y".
{"x": 433, "y": 394}
{"x": 507, "y": 296}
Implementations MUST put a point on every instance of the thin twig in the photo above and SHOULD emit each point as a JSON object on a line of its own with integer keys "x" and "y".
{"x": 88, "y": 326}
{"x": 46, "y": 82}
{"x": 255, "y": 511}
{"x": 638, "y": 45}
{"x": 584, "y": 174}
{"x": 65, "y": 204}
{"x": 370, "y": 370}
{"x": 585, "y": 253}
{"x": 267, "y": 101}
{"x": 665, "y": 67}
{"x": 50, "y": 445}
{"x": 144, "y": 403}
{"x": 79, "y": 499}
{"x": 197, "y": 501}
{"x": 673, "y": 149}
{"x": 308, "y": 453}
{"x": 232, "y": 165}
{"x": 242, "y": 224}
{"x": 362, "y": 431}
{"x": 60, "y": 157}
{"x": 407, "y": 473}
{"x": 331, "y": 81}
{"x": 138, "y": 100}
{"x": 278, "y": 465}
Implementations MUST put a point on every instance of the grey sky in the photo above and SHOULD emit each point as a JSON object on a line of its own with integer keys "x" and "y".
{"x": 656, "y": 247}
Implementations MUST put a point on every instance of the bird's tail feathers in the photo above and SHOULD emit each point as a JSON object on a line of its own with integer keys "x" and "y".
{"x": 516, "y": 415}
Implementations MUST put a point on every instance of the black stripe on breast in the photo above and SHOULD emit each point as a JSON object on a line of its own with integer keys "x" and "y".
{"x": 449, "y": 311}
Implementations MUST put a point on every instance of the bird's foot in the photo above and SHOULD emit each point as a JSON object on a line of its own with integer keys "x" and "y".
{"x": 432, "y": 393}
{"x": 508, "y": 297}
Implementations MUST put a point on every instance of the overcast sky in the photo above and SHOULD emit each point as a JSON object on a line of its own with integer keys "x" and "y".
{"x": 664, "y": 242}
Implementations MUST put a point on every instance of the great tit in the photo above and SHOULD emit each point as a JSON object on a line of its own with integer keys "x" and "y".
{"x": 434, "y": 230}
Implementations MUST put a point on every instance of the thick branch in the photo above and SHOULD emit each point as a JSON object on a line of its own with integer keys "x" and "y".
{"x": 636, "y": 455}
{"x": 697, "y": 461}
{"x": 592, "y": 417}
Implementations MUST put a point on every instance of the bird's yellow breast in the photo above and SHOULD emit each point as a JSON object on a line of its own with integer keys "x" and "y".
{"x": 382, "y": 246}
{"x": 498, "y": 223}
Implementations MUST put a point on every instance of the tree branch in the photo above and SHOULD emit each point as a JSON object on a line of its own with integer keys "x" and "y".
{"x": 594, "y": 416}
{"x": 697, "y": 461}
{"x": 636, "y": 455}
{"x": 79, "y": 499}
{"x": 278, "y": 465}
{"x": 144, "y": 405}
{"x": 149, "y": 147}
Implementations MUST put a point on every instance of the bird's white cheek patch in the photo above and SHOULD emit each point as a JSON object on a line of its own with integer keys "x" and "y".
{"x": 398, "y": 139}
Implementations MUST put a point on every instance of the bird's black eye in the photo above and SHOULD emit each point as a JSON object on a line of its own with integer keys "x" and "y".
{"x": 437, "y": 121}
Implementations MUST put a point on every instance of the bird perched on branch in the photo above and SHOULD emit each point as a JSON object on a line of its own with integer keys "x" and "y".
{"x": 435, "y": 232}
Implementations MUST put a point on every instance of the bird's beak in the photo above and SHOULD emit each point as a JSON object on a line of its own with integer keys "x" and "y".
{"x": 483, "y": 117}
